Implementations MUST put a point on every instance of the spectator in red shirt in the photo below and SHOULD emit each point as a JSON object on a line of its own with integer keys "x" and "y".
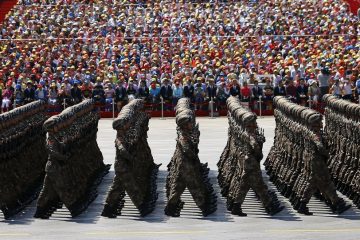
{"x": 86, "y": 90}
{"x": 7, "y": 96}
{"x": 245, "y": 92}
{"x": 291, "y": 91}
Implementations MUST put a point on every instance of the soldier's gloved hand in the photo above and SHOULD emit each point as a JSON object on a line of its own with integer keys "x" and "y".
{"x": 253, "y": 143}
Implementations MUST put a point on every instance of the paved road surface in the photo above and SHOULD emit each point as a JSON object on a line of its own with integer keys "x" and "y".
{"x": 191, "y": 225}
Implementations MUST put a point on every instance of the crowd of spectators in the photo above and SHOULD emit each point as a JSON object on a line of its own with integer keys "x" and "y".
{"x": 114, "y": 51}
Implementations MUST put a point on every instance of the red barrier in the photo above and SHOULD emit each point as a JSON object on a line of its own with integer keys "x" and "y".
{"x": 154, "y": 109}
{"x": 5, "y": 7}
{"x": 354, "y": 5}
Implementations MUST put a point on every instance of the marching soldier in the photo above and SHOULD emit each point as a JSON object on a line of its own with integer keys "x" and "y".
{"x": 301, "y": 173}
{"x": 135, "y": 170}
{"x": 72, "y": 174}
{"x": 239, "y": 165}
{"x": 185, "y": 168}
{"x": 341, "y": 135}
{"x": 22, "y": 160}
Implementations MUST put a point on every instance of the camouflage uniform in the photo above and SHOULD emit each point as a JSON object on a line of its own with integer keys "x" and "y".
{"x": 135, "y": 170}
{"x": 297, "y": 161}
{"x": 342, "y": 138}
{"x": 75, "y": 165}
{"x": 22, "y": 158}
{"x": 185, "y": 168}
{"x": 239, "y": 165}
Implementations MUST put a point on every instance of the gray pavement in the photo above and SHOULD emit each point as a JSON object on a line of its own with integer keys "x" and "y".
{"x": 191, "y": 225}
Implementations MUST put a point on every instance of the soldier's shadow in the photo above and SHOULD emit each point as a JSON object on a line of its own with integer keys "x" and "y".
{"x": 319, "y": 208}
{"x": 251, "y": 206}
{"x": 350, "y": 214}
{"x": 190, "y": 210}
{"x": 158, "y": 215}
{"x": 254, "y": 209}
{"x": 93, "y": 213}
{"x": 25, "y": 217}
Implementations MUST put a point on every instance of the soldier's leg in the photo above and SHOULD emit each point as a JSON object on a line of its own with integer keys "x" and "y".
{"x": 239, "y": 196}
{"x": 66, "y": 185}
{"x": 232, "y": 186}
{"x": 48, "y": 198}
{"x": 327, "y": 187}
{"x": 202, "y": 193}
{"x": 113, "y": 202}
{"x": 174, "y": 203}
{"x": 269, "y": 200}
{"x": 131, "y": 185}
{"x": 306, "y": 192}
{"x": 197, "y": 189}
{"x": 260, "y": 188}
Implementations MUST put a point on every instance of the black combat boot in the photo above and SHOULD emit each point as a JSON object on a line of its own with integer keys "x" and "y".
{"x": 284, "y": 189}
{"x": 296, "y": 204}
{"x": 347, "y": 190}
{"x": 341, "y": 207}
{"x": 209, "y": 211}
{"x": 303, "y": 209}
{"x": 236, "y": 210}
{"x": 274, "y": 209}
{"x": 109, "y": 212}
{"x": 357, "y": 199}
{"x": 292, "y": 197}
{"x": 170, "y": 211}
{"x": 41, "y": 213}
{"x": 229, "y": 204}
{"x": 288, "y": 193}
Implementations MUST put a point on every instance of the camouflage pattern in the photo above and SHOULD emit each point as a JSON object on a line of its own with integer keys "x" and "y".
{"x": 22, "y": 156}
{"x": 135, "y": 170}
{"x": 297, "y": 161}
{"x": 75, "y": 164}
{"x": 342, "y": 138}
{"x": 185, "y": 169}
{"x": 239, "y": 165}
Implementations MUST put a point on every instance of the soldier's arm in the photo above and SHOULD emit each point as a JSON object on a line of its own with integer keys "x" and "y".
{"x": 186, "y": 147}
{"x": 256, "y": 149}
{"x": 123, "y": 152}
{"x": 322, "y": 150}
{"x": 55, "y": 154}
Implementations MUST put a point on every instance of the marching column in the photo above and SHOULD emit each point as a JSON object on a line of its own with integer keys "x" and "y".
{"x": 22, "y": 156}
{"x": 239, "y": 165}
{"x": 185, "y": 168}
{"x": 297, "y": 161}
{"x": 342, "y": 137}
{"x": 135, "y": 170}
{"x": 75, "y": 165}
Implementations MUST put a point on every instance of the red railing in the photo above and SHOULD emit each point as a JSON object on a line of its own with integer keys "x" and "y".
{"x": 354, "y": 5}
{"x": 167, "y": 110}
{"x": 5, "y": 7}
